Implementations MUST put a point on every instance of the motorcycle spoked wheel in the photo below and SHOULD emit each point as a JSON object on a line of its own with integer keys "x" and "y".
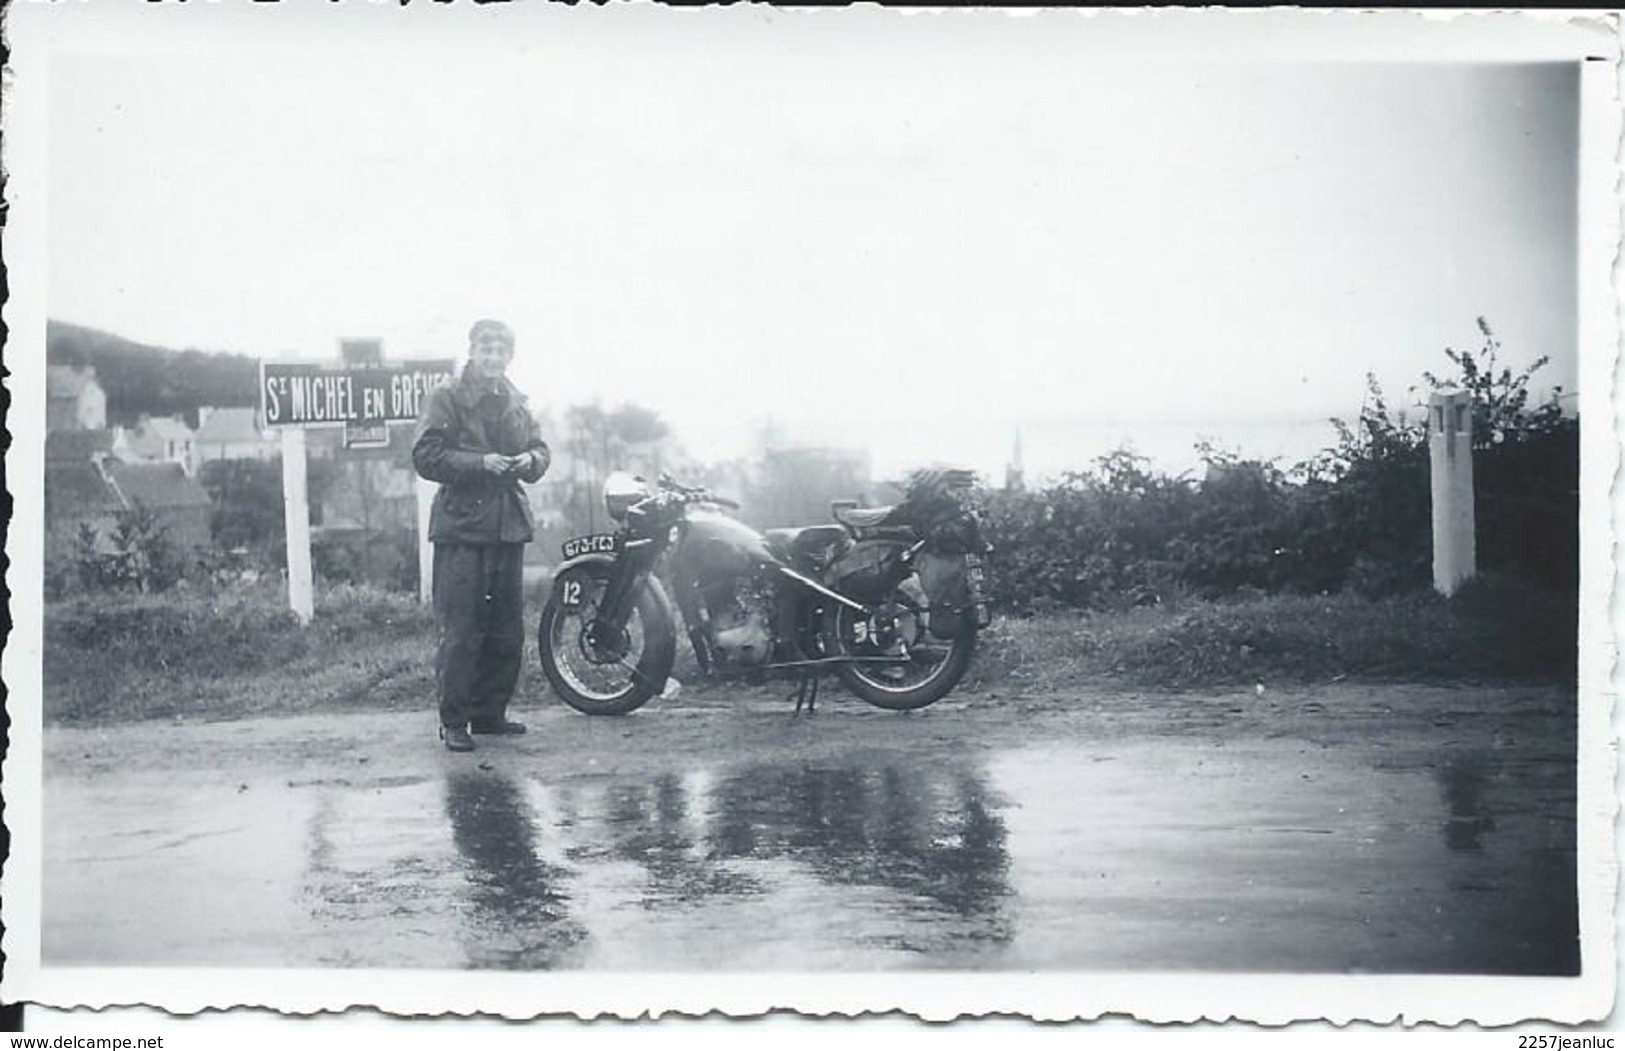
{"x": 934, "y": 666}
{"x": 619, "y": 676}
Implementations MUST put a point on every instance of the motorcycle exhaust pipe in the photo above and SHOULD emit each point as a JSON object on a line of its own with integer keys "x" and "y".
{"x": 835, "y": 596}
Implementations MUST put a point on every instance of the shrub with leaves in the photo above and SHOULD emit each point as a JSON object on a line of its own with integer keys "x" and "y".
{"x": 144, "y": 557}
{"x": 1500, "y": 396}
{"x": 1358, "y": 516}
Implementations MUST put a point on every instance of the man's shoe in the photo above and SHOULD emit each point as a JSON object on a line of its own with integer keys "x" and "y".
{"x": 457, "y": 739}
{"x": 506, "y": 727}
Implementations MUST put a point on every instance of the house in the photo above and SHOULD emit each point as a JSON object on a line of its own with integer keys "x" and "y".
{"x": 367, "y": 493}
{"x": 74, "y": 401}
{"x": 363, "y": 508}
{"x": 231, "y": 434}
{"x": 95, "y": 491}
{"x": 77, "y": 448}
{"x": 77, "y": 494}
{"x": 169, "y": 491}
{"x": 157, "y": 439}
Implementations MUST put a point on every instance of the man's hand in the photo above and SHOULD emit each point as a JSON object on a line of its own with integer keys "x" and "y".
{"x": 496, "y": 463}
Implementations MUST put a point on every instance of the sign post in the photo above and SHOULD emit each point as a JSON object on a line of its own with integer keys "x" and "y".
{"x": 425, "y": 491}
{"x": 364, "y": 396}
{"x": 296, "y": 524}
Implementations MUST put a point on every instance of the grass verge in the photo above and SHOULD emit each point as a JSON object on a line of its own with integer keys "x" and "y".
{"x": 229, "y": 654}
{"x": 1493, "y": 629}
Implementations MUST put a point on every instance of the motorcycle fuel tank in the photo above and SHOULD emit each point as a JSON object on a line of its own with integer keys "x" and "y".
{"x": 715, "y": 545}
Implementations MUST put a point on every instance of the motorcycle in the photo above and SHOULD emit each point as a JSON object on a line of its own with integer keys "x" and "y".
{"x": 889, "y": 599}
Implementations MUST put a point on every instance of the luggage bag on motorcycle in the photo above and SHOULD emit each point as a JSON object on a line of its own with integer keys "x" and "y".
{"x": 869, "y": 569}
{"x": 949, "y": 590}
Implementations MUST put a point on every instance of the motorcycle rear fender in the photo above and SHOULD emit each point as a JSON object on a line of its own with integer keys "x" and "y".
{"x": 956, "y": 606}
{"x": 649, "y": 581}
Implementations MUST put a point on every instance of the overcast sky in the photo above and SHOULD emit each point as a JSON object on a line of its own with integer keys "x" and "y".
{"x": 913, "y": 239}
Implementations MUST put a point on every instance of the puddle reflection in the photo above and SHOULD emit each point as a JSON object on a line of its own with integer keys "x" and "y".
{"x": 933, "y": 835}
{"x": 520, "y": 911}
{"x": 1134, "y": 854}
{"x": 1469, "y": 820}
{"x": 658, "y": 827}
{"x": 878, "y": 861}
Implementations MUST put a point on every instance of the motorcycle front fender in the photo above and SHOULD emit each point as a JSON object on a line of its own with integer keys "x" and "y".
{"x": 605, "y": 565}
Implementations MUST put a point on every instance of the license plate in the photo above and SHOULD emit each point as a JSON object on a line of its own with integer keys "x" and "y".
{"x": 596, "y": 544}
{"x": 976, "y": 581}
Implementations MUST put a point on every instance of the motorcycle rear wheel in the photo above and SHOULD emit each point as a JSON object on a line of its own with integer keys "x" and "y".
{"x": 934, "y": 668}
{"x": 614, "y": 680}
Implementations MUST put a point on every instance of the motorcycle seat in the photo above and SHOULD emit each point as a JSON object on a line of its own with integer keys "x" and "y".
{"x": 795, "y": 544}
{"x": 865, "y": 517}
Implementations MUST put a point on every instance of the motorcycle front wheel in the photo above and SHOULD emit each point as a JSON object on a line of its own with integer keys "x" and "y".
{"x": 901, "y": 666}
{"x": 605, "y": 676}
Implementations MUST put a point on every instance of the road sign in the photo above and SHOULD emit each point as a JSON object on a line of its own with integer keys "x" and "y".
{"x": 364, "y": 395}
{"x": 367, "y": 434}
{"x": 310, "y": 394}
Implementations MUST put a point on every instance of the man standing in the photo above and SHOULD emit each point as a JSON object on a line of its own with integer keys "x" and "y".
{"x": 477, "y": 438}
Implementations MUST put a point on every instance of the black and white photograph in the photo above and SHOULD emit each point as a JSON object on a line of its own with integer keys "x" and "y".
{"x": 541, "y": 510}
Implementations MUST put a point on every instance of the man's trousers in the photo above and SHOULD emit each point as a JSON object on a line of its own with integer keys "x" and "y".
{"x": 479, "y": 601}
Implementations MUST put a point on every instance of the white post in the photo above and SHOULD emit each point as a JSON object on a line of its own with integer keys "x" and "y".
{"x": 1450, "y": 450}
{"x": 296, "y": 523}
{"x": 425, "y": 493}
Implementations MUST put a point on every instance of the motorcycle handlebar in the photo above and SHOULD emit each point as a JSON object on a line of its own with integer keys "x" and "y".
{"x": 680, "y": 494}
{"x": 695, "y": 494}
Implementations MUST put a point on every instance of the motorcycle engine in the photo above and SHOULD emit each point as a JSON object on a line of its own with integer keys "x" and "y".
{"x": 741, "y": 623}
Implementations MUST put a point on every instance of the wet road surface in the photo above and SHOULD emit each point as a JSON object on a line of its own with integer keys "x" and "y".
{"x": 1369, "y": 830}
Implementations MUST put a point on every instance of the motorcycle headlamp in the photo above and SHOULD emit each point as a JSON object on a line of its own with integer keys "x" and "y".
{"x": 622, "y": 489}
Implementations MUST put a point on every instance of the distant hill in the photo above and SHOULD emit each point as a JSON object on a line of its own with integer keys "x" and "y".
{"x": 153, "y": 381}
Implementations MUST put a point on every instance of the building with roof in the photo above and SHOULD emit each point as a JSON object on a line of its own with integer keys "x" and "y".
{"x": 74, "y": 401}
{"x": 94, "y": 492}
{"x": 156, "y": 439}
{"x": 231, "y": 433}
{"x": 77, "y": 495}
{"x": 77, "y": 447}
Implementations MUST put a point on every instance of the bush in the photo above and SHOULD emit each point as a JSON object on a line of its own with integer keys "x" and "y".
{"x": 1098, "y": 540}
{"x": 225, "y": 651}
{"x": 139, "y": 556}
{"x": 205, "y": 638}
{"x": 1357, "y": 517}
{"x": 1518, "y": 625}
{"x": 384, "y": 558}
{"x": 1279, "y": 639}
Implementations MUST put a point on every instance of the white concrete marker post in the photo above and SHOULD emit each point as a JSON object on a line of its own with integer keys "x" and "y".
{"x": 1450, "y": 448}
{"x": 425, "y": 493}
{"x": 296, "y": 524}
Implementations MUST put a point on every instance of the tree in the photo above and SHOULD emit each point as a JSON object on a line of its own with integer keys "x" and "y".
{"x": 89, "y": 561}
{"x": 144, "y": 556}
{"x": 1500, "y": 396}
{"x": 598, "y": 441}
{"x": 794, "y": 487}
{"x": 247, "y": 499}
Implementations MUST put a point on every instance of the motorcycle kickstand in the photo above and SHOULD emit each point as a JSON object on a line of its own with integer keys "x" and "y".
{"x": 805, "y": 695}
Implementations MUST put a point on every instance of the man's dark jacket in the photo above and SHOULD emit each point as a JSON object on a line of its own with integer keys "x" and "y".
{"x": 461, "y": 422}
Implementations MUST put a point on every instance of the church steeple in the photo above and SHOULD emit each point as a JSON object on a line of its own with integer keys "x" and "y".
{"x": 1014, "y": 473}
